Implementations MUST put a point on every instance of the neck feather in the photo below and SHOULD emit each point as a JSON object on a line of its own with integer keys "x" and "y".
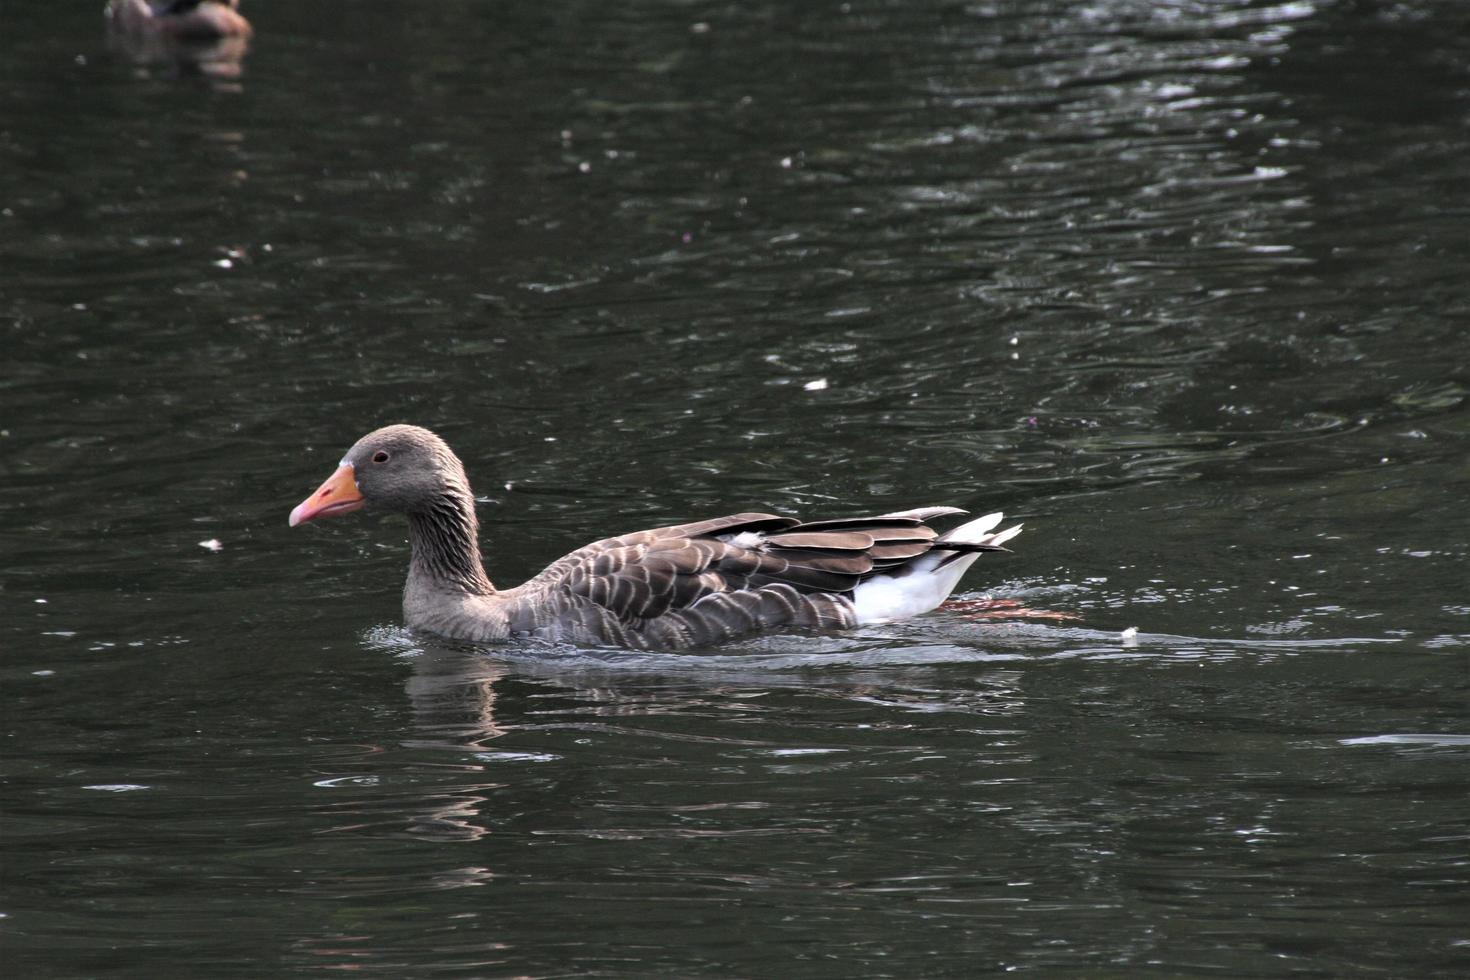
{"x": 445, "y": 537}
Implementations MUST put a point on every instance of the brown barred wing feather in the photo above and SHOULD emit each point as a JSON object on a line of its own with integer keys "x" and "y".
{"x": 700, "y": 583}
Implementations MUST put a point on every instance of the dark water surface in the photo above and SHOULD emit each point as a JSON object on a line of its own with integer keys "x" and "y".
{"x": 1183, "y": 284}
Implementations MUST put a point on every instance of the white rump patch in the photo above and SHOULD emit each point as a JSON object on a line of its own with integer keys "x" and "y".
{"x": 924, "y": 583}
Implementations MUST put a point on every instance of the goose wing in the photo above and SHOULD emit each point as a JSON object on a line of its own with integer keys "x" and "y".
{"x": 691, "y": 584}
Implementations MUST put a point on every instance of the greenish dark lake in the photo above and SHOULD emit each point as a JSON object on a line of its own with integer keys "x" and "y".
{"x": 1182, "y": 284}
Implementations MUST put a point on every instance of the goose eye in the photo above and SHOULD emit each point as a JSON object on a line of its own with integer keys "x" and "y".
{"x": 380, "y": 457}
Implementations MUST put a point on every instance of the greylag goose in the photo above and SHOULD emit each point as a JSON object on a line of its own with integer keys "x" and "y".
{"x": 669, "y": 588}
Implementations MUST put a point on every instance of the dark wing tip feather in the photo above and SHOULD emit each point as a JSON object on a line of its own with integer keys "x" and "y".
{"x": 733, "y": 524}
{"x": 959, "y": 549}
{"x": 923, "y": 514}
{"x": 853, "y": 523}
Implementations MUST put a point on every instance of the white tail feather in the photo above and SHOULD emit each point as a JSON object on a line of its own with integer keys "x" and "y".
{"x": 924, "y": 583}
{"x": 1001, "y": 537}
{"x": 971, "y": 531}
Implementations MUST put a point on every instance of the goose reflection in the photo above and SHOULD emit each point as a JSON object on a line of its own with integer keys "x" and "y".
{"x": 455, "y": 705}
{"x": 194, "y": 37}
{"x": 480, "y": 717}
{"x": 453, "y": 697}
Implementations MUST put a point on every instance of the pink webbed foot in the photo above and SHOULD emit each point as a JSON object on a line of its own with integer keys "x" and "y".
{"x": 1001, "y": 609}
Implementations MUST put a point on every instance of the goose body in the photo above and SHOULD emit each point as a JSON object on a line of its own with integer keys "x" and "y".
{"x": 668, "y": 588}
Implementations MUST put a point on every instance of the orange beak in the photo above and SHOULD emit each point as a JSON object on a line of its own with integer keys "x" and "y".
{"x": 337, "y": 496}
